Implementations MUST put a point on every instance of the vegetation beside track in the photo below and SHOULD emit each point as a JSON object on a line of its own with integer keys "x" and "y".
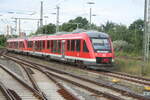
{"x": 132, "y": 65}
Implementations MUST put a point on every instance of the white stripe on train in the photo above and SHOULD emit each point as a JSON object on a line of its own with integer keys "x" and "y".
{"x": 55, "y": 55}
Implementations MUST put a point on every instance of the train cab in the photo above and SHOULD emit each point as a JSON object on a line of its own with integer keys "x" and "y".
{"x": 102, "y": 48}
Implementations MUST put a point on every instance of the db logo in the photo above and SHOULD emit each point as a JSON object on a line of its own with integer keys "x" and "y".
{"x": 104, "y": 55}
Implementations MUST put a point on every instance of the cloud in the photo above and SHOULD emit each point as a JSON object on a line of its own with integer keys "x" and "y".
{"x": 119, "y": 11}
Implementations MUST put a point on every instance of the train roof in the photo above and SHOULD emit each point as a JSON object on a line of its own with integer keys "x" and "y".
{"x": 65, "y": 35}
{"x": 15, "y": 39}
{"x": 95, "y": 34}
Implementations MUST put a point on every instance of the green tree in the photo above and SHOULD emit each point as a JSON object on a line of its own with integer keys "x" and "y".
{"x": 109, "y": 26}
{"x": 2, "y": 40}
{"x": 116, "y": 31}
{"x": 72, "y": 24}
{"x": 46, "y": 29}
{"x": 135, "y": 34}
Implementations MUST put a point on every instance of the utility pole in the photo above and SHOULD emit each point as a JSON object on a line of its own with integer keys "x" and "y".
{"x": 41, "y": 15}
{"x": 11, "y": 30}
{"x": 7, "y": 28}
{"x": 38, "y": 24}
{"x": 146, "y": 37}
{"x": 15, "y": 24}
{"x": 19, "y": 27}
{"x": 57, "y": 20}
{"x": 90, "y": 17}
{"x": 90, "y": 3}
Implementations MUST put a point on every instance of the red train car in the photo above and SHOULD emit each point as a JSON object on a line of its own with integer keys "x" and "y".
{"x": 89, "y": 48}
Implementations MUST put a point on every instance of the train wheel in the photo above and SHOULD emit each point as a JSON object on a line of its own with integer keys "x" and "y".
{"x": 80, "y": 64}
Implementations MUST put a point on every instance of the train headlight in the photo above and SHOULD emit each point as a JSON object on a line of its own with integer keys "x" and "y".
{"x": 113, "y": 60}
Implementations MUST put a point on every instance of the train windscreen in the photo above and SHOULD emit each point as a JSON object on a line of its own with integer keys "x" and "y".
{"x": 101, "y": 45}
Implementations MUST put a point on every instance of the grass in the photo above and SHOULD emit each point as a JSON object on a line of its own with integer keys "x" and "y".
{"x": 2, "y": 46}
{"x": 131, "y": 64}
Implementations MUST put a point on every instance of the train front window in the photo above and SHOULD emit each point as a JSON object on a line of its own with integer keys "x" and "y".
{"x": 101, "y": 45}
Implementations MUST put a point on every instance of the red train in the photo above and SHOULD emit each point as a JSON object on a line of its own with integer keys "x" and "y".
{"x": 90, "y": 48}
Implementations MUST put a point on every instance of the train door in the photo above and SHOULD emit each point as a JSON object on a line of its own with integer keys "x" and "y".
{"x": 63, "y": 48}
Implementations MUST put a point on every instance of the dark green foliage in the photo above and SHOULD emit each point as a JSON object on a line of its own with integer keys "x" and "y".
{"x": 2, "y": 40}
{"x": 136, "y": 30}
{"x": 133, "y": 35}
{"x": 72, "y": 24}
{"x": 46, "y": 29}
{"x": 116, "y": 31}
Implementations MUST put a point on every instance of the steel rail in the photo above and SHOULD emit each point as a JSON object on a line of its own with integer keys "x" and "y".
{"x": 127, "y": 93}
{"x": 35, "y": 92}
{"x": 63, "y": 91}
{"x": 124, "y": 77}
{"x": 33, "y": 81}
{"x": 128, "y": 77}
{"x": 72, "y": 97}
{"x": 6, "y": 92}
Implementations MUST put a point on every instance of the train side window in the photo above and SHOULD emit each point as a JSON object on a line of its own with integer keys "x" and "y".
{"x": 48, "y": 44}
{"x": 72, "y": 45}
{"x": 68, "y": 45}
{"x": 35, "y": 45}
{"x": 16, "y": 46}
{"x": 21, "y": 45}
{"x": 39, "y": 45}
{"x": 85, "y": 49}
{"x": 59, "y": 46}
{"x": 54, "y": 46}
{"x": 43, "y": 44}
{"x": 30, "y": 43}
{"x": 78, "y": 45}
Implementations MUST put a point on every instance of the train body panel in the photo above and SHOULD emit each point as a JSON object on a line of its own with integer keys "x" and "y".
{"x": 90, "y": 48}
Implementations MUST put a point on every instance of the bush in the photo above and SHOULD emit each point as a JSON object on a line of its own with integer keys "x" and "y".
{"x": 120, "y": 45}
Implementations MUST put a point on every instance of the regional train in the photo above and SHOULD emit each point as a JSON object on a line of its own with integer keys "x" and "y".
{"x": 90, "y": 48}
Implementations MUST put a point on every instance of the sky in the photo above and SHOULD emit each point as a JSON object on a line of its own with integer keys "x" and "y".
{"x": 118, "y": 11}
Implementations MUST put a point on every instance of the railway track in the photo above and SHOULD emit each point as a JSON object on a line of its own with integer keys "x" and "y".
{"x": 122, "y": 92}
{"x": 44, "y": 90}
{"x": 15, "y": 87}
{"x": 51, "y": 88}
{"x": 6, "y": 94}
{"x": 130, "y": 78}
{"x": 62, "y": 91}
{"x": 123, "y": 76}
